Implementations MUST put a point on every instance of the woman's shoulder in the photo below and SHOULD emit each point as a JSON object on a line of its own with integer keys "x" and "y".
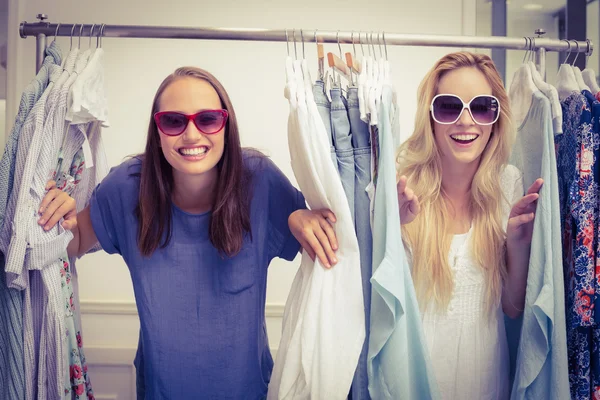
{"x": 125, "y": 175}
{"x": 259, "y": 165}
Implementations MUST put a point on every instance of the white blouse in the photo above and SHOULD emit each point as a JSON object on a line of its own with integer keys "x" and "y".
{"x": 468, "y": 347}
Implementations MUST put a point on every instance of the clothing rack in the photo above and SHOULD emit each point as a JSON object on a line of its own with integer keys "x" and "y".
{"x": 540, "y": 45}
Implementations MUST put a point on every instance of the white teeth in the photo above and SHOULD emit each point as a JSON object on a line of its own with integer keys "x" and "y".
{"x": 194, "y": 152}
{"x": 464, "y": 137}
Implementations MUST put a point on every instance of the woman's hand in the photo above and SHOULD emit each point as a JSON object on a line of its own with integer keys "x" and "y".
{"x": 408, "y": 202}
{"x": 56, "y": 205}
{"x": 520, "y": 221}
{"x": 314, "y": 230}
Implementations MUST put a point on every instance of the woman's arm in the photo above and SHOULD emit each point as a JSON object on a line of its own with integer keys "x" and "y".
{"x": 57, "y": 205}
{"x": 519, "y": 233}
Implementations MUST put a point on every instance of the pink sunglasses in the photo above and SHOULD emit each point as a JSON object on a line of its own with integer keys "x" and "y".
{"x": 173, "y": 123}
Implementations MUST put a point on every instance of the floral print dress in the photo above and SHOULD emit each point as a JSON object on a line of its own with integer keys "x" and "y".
{"x": 577, "y": 162}
{"x": 67, "y": 177}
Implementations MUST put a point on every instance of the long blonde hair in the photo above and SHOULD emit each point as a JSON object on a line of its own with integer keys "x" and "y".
{"x": 428, "y": 236}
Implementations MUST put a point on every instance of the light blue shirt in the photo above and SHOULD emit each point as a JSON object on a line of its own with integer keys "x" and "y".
{"x": 541, "y": 370}
{"x": 397, "y": 363}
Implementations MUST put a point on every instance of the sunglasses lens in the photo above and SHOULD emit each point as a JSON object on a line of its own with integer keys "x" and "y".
{"x": 447, "y": 109}
{"x": 485, "y": 110}
{"x": 172, "y": 123}
{"x": 210, "y": 121}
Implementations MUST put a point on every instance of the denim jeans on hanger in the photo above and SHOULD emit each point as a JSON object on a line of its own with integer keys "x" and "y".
{"x": 342, "y": 141}
{"x": 362, "y": 177}
{"x": 324, "y": 107}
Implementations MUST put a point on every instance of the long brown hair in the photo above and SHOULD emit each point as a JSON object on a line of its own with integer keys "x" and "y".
{"x": 230, "y": 218}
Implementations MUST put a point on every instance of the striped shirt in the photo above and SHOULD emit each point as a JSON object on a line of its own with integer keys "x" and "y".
{"x": 12, "y": 381}
{"x": 38, "y": 274}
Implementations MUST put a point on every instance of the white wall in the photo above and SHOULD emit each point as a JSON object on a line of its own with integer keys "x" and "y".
{"x": 253, "y": 74}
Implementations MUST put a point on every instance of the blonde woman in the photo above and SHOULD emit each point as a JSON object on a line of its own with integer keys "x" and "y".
{"x": 466, "y": 224}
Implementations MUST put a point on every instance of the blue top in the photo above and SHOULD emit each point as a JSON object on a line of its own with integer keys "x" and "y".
{"x": 398, "y": 362}
{"x": 541, "y": 364}
{"x": 202, "y": 316}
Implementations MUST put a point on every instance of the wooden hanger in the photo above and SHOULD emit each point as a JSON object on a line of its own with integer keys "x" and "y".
{"x": 353, "y": 63}
{"x": 321, "y": 57}
{"x": 337, "y": 64}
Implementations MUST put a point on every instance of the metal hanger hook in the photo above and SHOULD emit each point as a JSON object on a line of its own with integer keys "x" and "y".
{"x": 91, "y": 34}
{"x": 102, "y": 33}
{"x": 72, "y": 31}
{"x": 373, "y": 46}
{"x": 577, "y": 55}
{"x": 337, "y": 37}
{"x": 527, "y": 49}
{"x": 295, "y": 49}
{"x": 379, "y": 43}
{"x": 56, "y": 31}
{"x": 385, "y": 45}
{"x": 98, "y": 35}
{"x": 302, "y": 38}
{"x": 533, "y": 49}
{"x": 287, "y": 41}
{"x": 362, "y": 49}
{"x": 80, "y": 34}
{"x": 568, "y": 51}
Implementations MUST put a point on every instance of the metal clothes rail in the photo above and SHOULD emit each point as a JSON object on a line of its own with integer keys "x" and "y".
{"x": 538, "y": 44}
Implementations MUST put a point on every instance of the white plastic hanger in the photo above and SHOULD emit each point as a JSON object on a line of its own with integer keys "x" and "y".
{"x": 589, "y": 76}
{"x": 387, "y": 67}
{"x": 373, "y": 101}
{"x": 566, "y": 81}
{"x": 577, "y": 71}
{"x": 382, "y": 77}
{"x": 549, "y": 91}
{"x": 362, "y": 79}
{"x": 368, "y": 65}
{"x": 536, "y": 76}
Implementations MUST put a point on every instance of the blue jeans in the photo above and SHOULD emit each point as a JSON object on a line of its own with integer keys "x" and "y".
{"x": 362, "y": 177}
{"x": 342, "y": 140}
{"x": 324, "y": 107}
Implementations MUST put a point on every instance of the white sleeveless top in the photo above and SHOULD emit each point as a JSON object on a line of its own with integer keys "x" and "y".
{"x": 468, "y": 349}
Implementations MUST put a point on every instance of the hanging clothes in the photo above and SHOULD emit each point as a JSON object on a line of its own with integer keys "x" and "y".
{"x": 541, "y": 361}
{"x": 577, "y": 152}
{"x": 323, "y": 328}
{"x": 398, "y": 362}
{"x": 342, "y": 141}
{"x": 12, "y": 382}
{"x": 36, "y": 261}
{"x": 14, "y": 277}
{"x": 324, "y": 107}
{"x": 362, "y": 176}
